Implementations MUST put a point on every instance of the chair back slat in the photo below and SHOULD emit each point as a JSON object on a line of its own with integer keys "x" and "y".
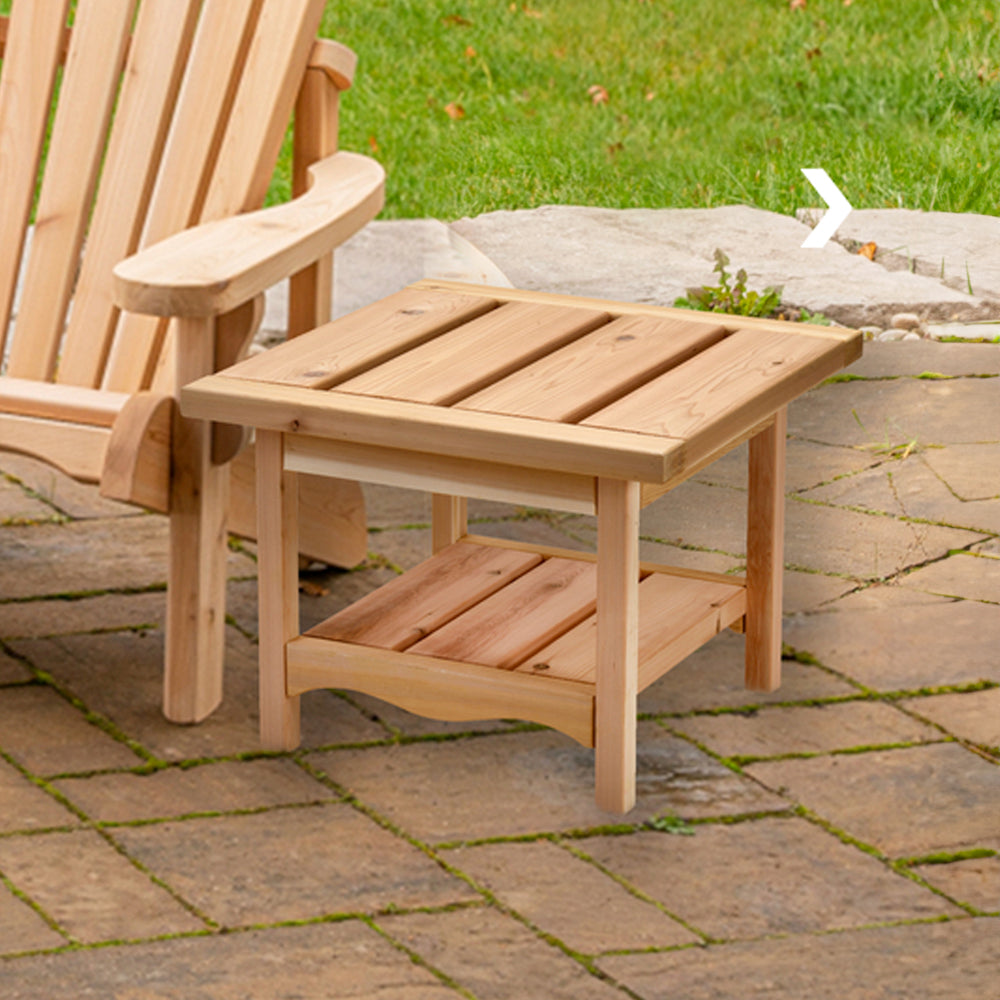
{"x": 196, "y": 124}
{"x": 257, "y": 121}
{"x": 30, "y": 59}
{"x": 157, "y": 56}
{"x": 87, "y": 95}
{"x": 218, "y": 56}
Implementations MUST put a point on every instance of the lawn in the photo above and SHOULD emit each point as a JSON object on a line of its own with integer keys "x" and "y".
{"x": 475, "y": 105}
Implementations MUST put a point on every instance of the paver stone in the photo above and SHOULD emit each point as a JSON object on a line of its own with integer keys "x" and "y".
{"x": 908, "y": 803}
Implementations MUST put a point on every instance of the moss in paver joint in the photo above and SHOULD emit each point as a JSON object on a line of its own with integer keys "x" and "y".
{"x": 101, "y": 722}
{"x": 742, "y": 760}
{"x": 635, "y": 891}
{"x": 948, "y": 857}
{"x": 497, "y": 904}
{"x": 689, "y": 547}
{"x": 52, "y": 923}
{"x": 211, "y": 814}
{"x": 886, "y": 860}
{"x": 512, "y": 838}
{"x": 45, "y": 786}
{"x": 726, "y": 762}
{"x": 83, "y": 595}
{"x": 422, "y": 963}
{"x": 433, "y": 854}
{"x": 155, "y": 879}
{"x": 375, "y": 560}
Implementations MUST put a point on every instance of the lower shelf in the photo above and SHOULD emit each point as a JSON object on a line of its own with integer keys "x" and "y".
{"x": 488, "y": 628}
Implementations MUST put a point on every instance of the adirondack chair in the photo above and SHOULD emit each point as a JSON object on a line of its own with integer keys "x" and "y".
{"x": 169, "y": 117}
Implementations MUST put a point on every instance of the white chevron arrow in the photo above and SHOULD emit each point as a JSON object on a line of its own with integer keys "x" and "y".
{"x": 839, "y": 207}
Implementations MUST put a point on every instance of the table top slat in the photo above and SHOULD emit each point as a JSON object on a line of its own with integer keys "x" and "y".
{"x": 530, "y": 379}
{"x": 476, "y": 354}
{"x": 591, "y": 373}
{"x": 723, "y": 390}
{"x": 363, "y": 339}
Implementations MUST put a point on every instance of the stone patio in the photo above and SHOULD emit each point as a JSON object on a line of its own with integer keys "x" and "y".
{"x": 840, "y": 837}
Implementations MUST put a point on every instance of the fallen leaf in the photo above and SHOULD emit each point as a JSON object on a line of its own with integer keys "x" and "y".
{"x": 797, "y": 4}
{"x": 813, "y": 53}
{"x": 528, "y": 12}
{"x": 868, "y": 250}
{"x": 311, "y": 589}
{"x": 598, "y": 95}
{"x": 454, "y": 111}
{"x": 456, "y": 21}
{"x": 470, "y": 52}
{"x": 373, "y": 143}
{"x": 650, "y": 94}
{"x": 615, "y": 147}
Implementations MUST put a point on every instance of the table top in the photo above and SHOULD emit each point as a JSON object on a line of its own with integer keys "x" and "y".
{"x": 530, "y": 379}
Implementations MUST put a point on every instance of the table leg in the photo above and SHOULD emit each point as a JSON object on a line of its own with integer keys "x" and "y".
{"x": 765, "y": 563}
{"x": 277, "y": 589}
{"x": 449, "y": 520}
{"x": 617, "y": 642}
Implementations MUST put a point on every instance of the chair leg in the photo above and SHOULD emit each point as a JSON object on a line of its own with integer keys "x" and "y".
{"x": 196, "y": 581}
{"x": 617, "y": 643}
{"x": 765, "y": 561}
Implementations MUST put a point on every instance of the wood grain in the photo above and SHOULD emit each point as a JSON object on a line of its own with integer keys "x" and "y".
{"x": 278, "y": 592}
{"x": 765, "y": 547}
{"x": 441, "y": 689}
{"x": 463, "y": 361}
{"x": 617, "y": 643}
{"x": 575, "y": 381}
{"x": 86, "y": 97}
{"x": 505, "y": 629}
{"x": 675, "y": 612}
{"x": 367, "y": 337}
{"x": 405, "y": 610}
{"x": 31, "y": 55}
{"x": 156, "y": 59}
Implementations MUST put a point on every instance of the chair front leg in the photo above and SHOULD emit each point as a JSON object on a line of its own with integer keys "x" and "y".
{"x": 196, "y": 581}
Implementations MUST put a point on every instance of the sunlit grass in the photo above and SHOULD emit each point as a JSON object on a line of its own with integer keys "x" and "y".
{"x": 709, "y": 103}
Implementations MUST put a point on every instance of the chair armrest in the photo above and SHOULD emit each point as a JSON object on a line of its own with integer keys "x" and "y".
{"x": 212, "y": 268}
{"x": 334, "y": 59}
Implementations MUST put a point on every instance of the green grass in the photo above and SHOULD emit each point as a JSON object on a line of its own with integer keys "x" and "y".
{"x": 709, "y": 103}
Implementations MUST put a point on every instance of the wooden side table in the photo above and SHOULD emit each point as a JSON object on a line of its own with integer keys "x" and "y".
{"x": 565, "y": 403}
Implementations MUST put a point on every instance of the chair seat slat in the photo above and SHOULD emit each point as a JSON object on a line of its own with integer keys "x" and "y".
{"x": 72, "y": 403}
{"x": 90, "y": 83}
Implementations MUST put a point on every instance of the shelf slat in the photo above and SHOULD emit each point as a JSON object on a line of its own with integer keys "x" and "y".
{"x": 676, "y": 615}
{"x": 510, "y": 626}
{"x": 413, "y": 605}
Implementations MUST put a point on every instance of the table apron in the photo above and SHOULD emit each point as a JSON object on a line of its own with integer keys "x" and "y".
{"x": 565, "y": 491}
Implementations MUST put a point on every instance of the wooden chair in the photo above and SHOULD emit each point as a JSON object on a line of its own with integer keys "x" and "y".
{"x": 168, "y": 115}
